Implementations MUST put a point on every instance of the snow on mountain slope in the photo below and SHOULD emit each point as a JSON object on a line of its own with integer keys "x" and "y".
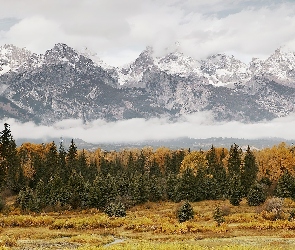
{"x": 178, "y": 64}
{"x": 223, "y": 70}
{"x": 218, "y": 70}
{"x": 13, "y": 58}
{"x": 64, "y": 83}
{"x": 280, "y": 67}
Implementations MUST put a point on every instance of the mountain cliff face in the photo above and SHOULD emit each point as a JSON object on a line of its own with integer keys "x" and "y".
{"x": 64, "y": 83}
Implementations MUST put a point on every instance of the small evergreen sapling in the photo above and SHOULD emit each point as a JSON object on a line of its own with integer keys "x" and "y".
{"x": 256, "y": 195}
{"x": 116, "y": 209}
{"x": 185, "y": 212}
{"x": 218, "y": 216}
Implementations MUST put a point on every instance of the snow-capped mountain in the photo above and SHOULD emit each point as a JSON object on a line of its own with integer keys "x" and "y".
{"x": 65, "y": 83}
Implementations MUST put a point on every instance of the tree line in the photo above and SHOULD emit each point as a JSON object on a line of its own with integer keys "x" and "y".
{"x": 48, "y": 176}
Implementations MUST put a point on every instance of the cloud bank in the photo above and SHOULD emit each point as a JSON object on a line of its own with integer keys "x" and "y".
{"x": 119, "y": 30}
{"x": 199, "y": 125}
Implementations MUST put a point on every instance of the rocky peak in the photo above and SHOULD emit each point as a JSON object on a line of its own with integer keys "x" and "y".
{"x": 13, "y": 58}
{"x": 61, "y": 53}
{"x": 144, "y": 60}
{"x": 224, "y": 70}
{"x": 176, "y": 63}
{"x": 280, "y": 67}
{"x": 132, "y": 74}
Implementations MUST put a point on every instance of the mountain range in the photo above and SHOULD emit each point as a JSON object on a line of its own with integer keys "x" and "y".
{"x": 67, "y": 84}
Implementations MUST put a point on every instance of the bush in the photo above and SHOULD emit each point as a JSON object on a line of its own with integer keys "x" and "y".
{"x": 273, "y": 209}
{"x": 256, "y": 195}
{"x": 115, "y": 209}
{"x": 185, "y": 212}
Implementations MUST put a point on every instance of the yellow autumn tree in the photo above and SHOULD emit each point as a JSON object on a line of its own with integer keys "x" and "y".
{"x": 274, "y": 161}
{"x": 194, "y": 161}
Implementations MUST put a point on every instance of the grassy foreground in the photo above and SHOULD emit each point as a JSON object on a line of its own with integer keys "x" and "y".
{"x": 149, "y": 226}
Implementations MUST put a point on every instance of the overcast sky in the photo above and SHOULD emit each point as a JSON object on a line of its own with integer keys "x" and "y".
{"x": 118, "y": 30}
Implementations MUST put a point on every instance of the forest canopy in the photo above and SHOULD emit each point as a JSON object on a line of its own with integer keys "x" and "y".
{"x": 51, "y": 176}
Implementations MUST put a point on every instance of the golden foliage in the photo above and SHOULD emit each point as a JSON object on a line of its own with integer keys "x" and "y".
{"x": 274, "y": 161}
{"x": 194, "y": 160}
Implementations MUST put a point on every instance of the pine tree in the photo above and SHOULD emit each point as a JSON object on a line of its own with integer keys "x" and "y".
{"x": 217, "y": 173}
{"x": 79, "y": 191}
{"x": 171, "y": 187}
{"x": 286, "y": 186}
{"x": 72, "y": 157}
{"x": 249, "y": 171}
{"x": 62, "y": 162}
{"x": 234, "y": 175}
{"x": 82, "y": 165}
{"x": 186, "y": 189}
{"x": 256, "y": 195}
{"x": 235, "y": 193}
{"x": 234, "y": 161}
{"x": 185, "y": 212}
{"x": 11, "y": 173}
{"x": 218, "y": 216}
{"x": 51, "y": 164}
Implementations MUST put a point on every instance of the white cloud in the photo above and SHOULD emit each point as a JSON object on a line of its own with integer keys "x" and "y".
{"x": 34, "y": 33}
{"x": 114, "y": 27}
{"x": 199, "y": 125}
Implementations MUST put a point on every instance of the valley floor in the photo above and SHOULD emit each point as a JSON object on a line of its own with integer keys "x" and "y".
{"x": 150, "y": 226}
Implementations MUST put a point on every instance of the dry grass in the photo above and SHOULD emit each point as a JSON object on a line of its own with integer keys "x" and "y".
{"x": 149, "y": 226}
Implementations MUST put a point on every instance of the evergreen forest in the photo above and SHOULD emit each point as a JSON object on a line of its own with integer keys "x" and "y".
{"x": 50, "y": 177}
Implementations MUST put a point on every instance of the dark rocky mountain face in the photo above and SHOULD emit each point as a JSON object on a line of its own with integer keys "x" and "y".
{"x": 64, "y": 83}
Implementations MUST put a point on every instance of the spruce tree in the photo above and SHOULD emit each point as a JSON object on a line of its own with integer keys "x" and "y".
{"x": 218, "y": 216}
{"x": 217, "y": 173}
{"x": 82, "y": 165}
{"x": 51, "y": 164}
{"x": 234, "y": 161}
{"x": 187, "y": 189}
{"x": 234, "y": 175}
{"x": 72, "y": 157}
{"x": 62, "y": 162}
{"x": 11, "y": 173}
{"x": 249, "y": 171}
{"x": 185, "y": 212}
{"x": 286, "y": 186}
{"x": 256, "y": 195}
{"x": 235, "y": 193}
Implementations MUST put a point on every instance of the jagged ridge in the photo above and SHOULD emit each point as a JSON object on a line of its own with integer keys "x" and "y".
{"x": 64, "y": 83}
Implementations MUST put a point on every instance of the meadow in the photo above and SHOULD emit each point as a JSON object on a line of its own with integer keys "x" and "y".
{"x": 151, "y": 226}
{"x": 53, "y": 198}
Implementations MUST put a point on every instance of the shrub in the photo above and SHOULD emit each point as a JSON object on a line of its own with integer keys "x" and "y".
{"x": 185, "y": 212}
{"x": 225, "y": 210}
{"x": 273, "y": 209}
{"x": 115, "y": 209}
{"x": 256, "y": 195}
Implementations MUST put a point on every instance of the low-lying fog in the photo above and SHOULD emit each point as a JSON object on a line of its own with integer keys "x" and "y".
{"x": 199, "y": 125}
